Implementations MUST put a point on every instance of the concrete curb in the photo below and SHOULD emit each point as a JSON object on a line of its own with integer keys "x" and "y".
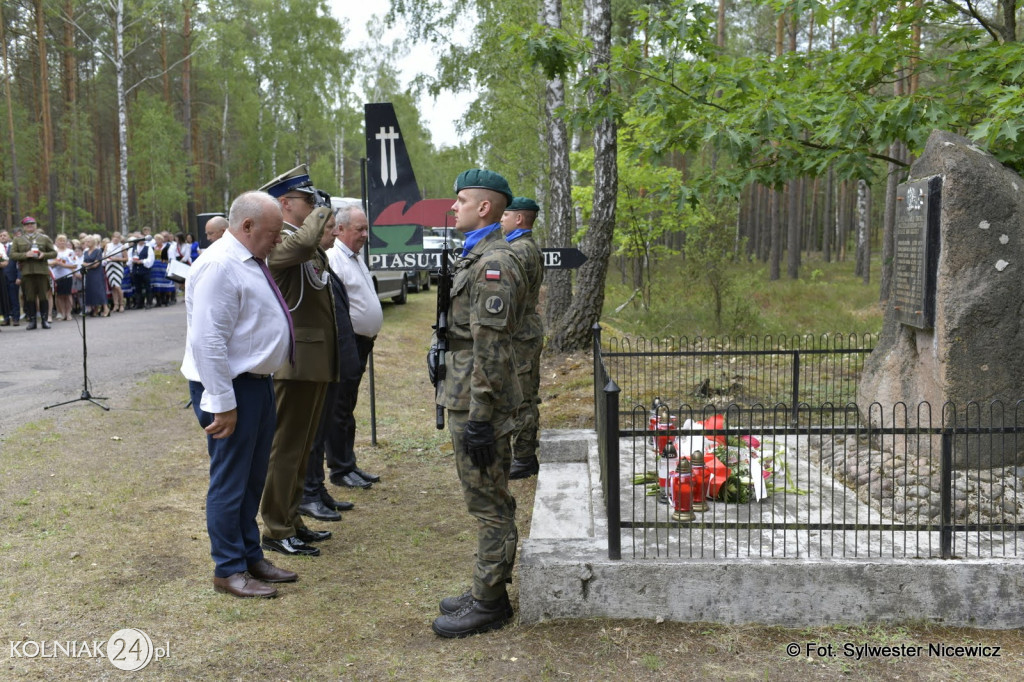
{"x": 565, "y": 571}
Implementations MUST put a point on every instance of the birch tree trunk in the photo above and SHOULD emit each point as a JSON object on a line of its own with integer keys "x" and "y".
{"x": 186, "y": 119}
{"x": 864, "y": 230}
{"x": 574, "y": 331}
{"x": 558, "y": 210}
{"x": 224, "y": 150}
{"x": 71, "y": 113}
{"x": 122, "y": 115}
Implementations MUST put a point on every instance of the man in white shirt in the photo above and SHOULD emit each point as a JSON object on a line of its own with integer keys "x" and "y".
{"x": 367, "y": 317}
{"x": 142, "y": 257}
{"x": 239, "y": 333}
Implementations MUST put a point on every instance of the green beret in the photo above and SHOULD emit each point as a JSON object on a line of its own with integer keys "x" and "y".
{"x": 523, "y": 204}
{"x": 477, "y": 178}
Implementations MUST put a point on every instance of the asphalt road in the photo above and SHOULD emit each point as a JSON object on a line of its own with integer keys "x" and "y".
{"x": 43, "y": 367}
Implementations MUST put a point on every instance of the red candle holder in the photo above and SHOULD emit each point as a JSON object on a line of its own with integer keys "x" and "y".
{"x": 699, "y": 481}
{"x": 680, "y": 491}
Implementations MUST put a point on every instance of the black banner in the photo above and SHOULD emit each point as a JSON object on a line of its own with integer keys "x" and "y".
{"x": 554, "y": 259}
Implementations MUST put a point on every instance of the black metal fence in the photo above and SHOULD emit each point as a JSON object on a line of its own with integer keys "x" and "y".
{"x": 738, "y": 371}
{"x": 803, "y": 482}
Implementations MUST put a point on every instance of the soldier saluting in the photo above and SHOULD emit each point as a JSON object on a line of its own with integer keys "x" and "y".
{"x": 481, "y": 392}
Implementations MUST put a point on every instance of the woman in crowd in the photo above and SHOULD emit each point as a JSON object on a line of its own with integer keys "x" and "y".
{"x": 184, "y": 249}
{"x": 5, "y": 301}
{"x": 183, "y": 253}
{"x": 162, "y": 288}
{"x": 116, "y": 255}
{"x": 95, "y": 280}
{"x": 127, "y": 287}
{"x": 61, "y": 268}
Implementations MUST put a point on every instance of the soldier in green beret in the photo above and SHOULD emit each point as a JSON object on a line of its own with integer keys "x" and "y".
{"x": 517, "y": 226}
{"x": 33, "y": 249}
{"x": 480, "y": 390}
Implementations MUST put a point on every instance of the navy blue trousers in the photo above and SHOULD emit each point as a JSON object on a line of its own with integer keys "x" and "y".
{"x": 238, "y": 470}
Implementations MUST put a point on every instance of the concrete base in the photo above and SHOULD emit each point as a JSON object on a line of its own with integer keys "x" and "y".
{"x": 565, "y": 571}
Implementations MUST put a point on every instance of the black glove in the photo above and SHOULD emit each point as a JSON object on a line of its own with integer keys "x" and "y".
{"x": 321, "y": 198}
{"x": 432, "y": 365}
{"x": 478, "y": 442}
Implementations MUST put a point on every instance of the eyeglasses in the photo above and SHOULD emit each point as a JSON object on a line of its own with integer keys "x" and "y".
{"x": 308, "y": 198}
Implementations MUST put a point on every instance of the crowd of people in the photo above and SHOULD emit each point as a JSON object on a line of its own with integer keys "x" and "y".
{"x": 46, "y": 281}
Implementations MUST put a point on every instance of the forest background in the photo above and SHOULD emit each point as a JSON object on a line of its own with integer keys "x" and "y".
{"x": 719, "y": 137}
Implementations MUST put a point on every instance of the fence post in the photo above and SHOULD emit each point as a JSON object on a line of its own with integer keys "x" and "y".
{"x": 796, "y": 387}
{"x": 611, "y": 468}
{"x": 946, "y": 497}
{"x": 596, "y": 329}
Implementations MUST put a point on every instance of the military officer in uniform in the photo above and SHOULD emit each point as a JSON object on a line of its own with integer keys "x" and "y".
{"x": 299, "y": 267}
{"x": 32, "y": 250}
{"x": 481, "y": 393}
{"x": 517, "y": 226}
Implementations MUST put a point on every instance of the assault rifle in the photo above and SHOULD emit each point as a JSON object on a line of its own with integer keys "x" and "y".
{"x": 444, "y": 292}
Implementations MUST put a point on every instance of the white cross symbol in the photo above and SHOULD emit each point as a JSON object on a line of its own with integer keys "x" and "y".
{"x": 388, "y": 171}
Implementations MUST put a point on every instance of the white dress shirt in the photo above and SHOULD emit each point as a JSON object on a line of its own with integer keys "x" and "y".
{"x": 363, "y": 305}
{"x": 235, "y": 323}
{"x": 146, "y": 262}
{"x": 68, "y": 257}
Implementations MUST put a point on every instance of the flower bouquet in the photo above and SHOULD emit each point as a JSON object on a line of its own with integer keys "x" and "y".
{"x": 756, "y": 469}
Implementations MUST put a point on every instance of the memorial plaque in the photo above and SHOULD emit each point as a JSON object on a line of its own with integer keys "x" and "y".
{"x": 916, "y": 257}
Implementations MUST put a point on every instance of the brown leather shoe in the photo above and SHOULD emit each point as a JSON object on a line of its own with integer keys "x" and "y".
{"x": 243, "y": 585}
{"x": 269, "y": 573}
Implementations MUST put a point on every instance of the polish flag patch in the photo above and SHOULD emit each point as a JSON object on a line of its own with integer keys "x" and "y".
{"x": 492, "y": 275}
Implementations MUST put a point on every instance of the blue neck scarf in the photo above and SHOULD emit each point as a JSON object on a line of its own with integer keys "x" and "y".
{"x": 516, "y": 234}
{"x": 474, "y": 236}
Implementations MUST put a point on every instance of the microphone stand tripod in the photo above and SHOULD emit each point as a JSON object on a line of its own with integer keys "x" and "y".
{"x": 86, "y": 395}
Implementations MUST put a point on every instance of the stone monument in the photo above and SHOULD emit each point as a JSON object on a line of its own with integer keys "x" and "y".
{"x": 954, "y": 324}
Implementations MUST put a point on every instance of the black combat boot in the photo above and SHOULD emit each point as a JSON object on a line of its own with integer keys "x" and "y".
{"x": 474, "y": 617}
{"x": 44, "y": 311}
{"x": 524, "y": 468}
{"x": 30, "y": 315}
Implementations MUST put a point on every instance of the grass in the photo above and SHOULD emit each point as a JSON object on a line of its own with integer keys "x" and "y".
{"x": 826, "y": 298}
{"x": 104, "y": 529}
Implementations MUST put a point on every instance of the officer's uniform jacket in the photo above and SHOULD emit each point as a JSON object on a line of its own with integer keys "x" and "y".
{"x": 23, "y": 243}
{"x": 530, "y": 334}
{"x": 300, "y": 268}
{"x": 486, "y": 304}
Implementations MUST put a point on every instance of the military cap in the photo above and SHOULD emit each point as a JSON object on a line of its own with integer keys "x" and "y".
{"x": 523, "y": 204}
{"x": 27, "y": 219}
{"x": 477, "y": 178}
{"x": 297, "y": 180}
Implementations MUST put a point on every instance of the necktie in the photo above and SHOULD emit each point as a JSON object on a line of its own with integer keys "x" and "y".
{"x": 284, "y": 307}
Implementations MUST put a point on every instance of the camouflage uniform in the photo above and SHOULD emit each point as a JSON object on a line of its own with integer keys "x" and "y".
{"x": 528, "y": 341}
{"x": 481, "y": 384}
